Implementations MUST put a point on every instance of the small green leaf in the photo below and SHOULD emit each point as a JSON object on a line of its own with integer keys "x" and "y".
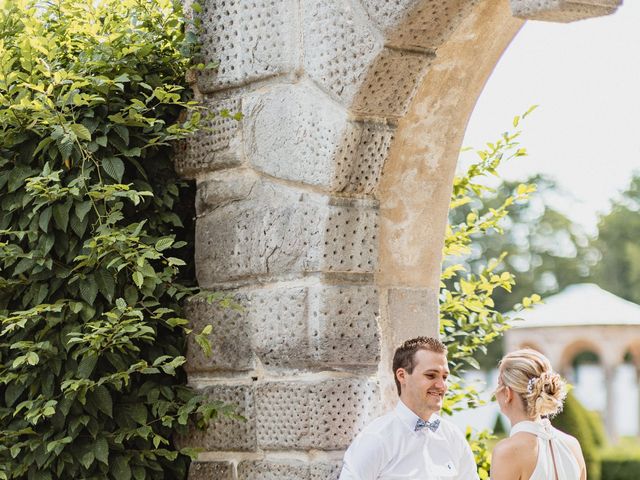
{"x": 80, "y": 131}
{"x": 138, "y": 279}
{"x": 114, "y": 167}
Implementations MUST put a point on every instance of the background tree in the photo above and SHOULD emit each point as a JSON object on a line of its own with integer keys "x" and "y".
{"x": 618, "y": 269}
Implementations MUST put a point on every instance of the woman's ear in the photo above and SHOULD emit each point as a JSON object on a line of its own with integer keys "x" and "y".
{"x": 508, "y": 394}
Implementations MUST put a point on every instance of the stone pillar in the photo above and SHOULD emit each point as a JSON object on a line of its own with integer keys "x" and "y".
{"x": 610, "y": 406}
{"x": 288, "y": 212}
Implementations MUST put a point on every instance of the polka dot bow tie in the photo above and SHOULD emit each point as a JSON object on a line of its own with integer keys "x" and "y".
{"x": 433, "y": 426}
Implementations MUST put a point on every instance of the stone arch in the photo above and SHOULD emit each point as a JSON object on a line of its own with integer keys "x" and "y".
{"x": 322, "y": 211}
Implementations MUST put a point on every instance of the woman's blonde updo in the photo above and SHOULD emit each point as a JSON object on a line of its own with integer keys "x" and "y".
{"x": 529, "y": 373}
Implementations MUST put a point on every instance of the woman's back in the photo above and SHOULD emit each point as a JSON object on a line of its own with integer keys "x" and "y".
{"x": 555, "y": 457}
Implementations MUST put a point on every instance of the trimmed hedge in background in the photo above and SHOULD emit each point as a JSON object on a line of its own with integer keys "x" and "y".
{"x": 91, "y": 329}
{"x": 621, "y": 464}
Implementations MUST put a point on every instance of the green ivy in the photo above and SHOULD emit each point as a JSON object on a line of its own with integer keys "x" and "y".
{"x": 92, "y": 335}
{"x": 468, "y": 318}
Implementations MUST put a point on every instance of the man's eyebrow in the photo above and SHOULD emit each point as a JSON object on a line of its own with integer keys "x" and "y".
{"x": 436, "y": 370}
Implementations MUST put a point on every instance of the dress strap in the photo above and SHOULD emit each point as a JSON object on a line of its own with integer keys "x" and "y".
{"x": 542, "y": 429}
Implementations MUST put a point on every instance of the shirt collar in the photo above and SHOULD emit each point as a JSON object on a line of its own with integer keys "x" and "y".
{"x": 408, "y": 417}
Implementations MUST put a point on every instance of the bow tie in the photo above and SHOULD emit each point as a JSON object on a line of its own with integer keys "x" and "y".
{"x": 433, "y": 426}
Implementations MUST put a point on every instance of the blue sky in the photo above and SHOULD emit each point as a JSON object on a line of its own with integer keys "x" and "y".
{"x": 586, "y": 133}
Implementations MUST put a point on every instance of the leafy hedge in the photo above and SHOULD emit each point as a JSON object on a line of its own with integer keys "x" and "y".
{"x": 91, "y": 330}
{"x": 621, "y": 464}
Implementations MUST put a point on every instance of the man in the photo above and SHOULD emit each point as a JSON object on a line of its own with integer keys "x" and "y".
{"x": 412, "y": 442}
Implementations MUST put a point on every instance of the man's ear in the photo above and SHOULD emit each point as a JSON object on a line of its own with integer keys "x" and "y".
{"x": 401, "y": 375}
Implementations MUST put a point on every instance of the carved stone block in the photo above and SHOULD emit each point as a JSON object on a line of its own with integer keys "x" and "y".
{"x": 228, "y": 434}
{"x": 324, "y": 415}
{"x": 248, "y": 41}
{"x": 229, "y": 338}
{"x": 277, "y": 230}
{"x": 211, "y": 471}
{"x": 563, "y": 11}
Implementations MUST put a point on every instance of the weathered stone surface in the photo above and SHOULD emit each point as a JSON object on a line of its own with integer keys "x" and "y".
{"x": 228, "y": 434}
{"x": 211, "y": 471}
{"x": 324, "y": 415}
{"x": 343, "y": 325}
{"x": 391, "y": 83}
{"x": 417, "y": 24}
{"x": 294, "y": 133}
{"x": 217, "y": 145}
{"x": 277, "y": 230}
{"x": 264, "y": 470}
{"x": 339, "y": 46}
{"x": 563, "y": 10}
{"x": 294, "y": 470}
{"x": 361, "y": 157}
{"x": 250, "y": 40}
{"x": 292, "y": 327}
{"x": 325, "y": 471}
{"x": 229, "y": 339}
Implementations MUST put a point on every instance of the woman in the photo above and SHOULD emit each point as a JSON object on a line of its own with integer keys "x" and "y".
{"x": 528, "y": 393}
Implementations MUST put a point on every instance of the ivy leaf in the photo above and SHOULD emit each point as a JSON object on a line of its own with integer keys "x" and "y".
{"x": 120, "y": 468}
{"x": 80, "y": 131}
{"x": 61, "y": 215}
{"x": 87, "y": 365}
{"x": 114, "y": 167}
{"x": 65, "y": 145}
{"x": 82, "y": 208}
{"x": 138, "y": 279}
{"x": 88, "y": 289}
{"x": 103, "y": 401}
{"x": 106, "y": 283}
{"x": 45, "y": 217}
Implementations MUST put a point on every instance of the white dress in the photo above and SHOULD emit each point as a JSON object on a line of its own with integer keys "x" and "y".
{"x": 548, "y": 438}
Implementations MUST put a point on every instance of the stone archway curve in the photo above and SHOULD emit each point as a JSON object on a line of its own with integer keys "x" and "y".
{"x": 322, "y": 211}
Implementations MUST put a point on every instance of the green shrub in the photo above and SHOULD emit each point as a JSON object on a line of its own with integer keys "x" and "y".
{"x": 621, "y": 462}
{"x": 91, "y": 331}
{"x": 574, "y": 420}
{"x": 596, "y": 425}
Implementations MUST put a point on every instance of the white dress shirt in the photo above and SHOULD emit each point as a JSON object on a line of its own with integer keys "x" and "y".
{"x": 389, "y": 448}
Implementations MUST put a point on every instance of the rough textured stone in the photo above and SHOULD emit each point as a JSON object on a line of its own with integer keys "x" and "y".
{"x": 292, "y": 327}
{"x": 228, "y": 434}
{"x": 263, "y": 229}
{"x": 211, "y": 471}
{"x": 325, "y": 471}
{"x": 229, "y": 338}
{"x": 343, "y": 325}
{"x": 339, "y": 46}
{"x": 563, "y": 10}
{"x": 264, "y": 470}
{"x": 217, "y": 145}
{"x": 250, "y": 40}
{"x": 418, "y": 24}
{"x": 294, "y": 470}
{"x": 361, "y": 157}
{"x": 324, "y": 415}
{"x": 391, "y": 83}
{"x": 294, "y": 133}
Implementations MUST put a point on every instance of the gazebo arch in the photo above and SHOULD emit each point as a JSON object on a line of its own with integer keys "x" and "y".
{"x": 322, "y": 211}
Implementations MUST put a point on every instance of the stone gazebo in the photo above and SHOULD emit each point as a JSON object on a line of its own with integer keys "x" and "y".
{"x": 323, "y": 210}
{"x": 582, "y": 318}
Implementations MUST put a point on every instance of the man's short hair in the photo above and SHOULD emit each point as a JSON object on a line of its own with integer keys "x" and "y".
{"x": 404, "y": 357}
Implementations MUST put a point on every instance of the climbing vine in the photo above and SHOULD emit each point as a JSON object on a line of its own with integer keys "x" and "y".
{"x": 468, "y": 318}
{"x": 92, "y": 228}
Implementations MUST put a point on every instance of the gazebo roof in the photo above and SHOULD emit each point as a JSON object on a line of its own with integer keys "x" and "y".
{"x": 579, "y": 305}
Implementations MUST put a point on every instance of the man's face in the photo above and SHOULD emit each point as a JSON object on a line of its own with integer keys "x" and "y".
{"x": 423, "y": 390}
